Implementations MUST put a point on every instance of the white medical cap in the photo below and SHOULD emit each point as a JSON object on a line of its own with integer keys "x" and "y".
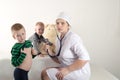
{"x": 65, "y": 17}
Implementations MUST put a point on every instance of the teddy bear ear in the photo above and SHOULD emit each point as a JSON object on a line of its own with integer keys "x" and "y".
{"x": 46, "y": 25}
{"x": 53, "y": 25}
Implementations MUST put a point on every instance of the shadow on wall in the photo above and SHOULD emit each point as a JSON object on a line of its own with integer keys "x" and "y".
{"x": 6, "y": 72}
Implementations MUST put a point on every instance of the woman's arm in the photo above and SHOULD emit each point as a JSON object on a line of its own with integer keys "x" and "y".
{"x": 53, "y": 57}
{"x": 78, "y": 64}
{"x": 52, "y": 54}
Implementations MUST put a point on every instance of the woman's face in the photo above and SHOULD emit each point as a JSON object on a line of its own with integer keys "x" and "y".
{"x": 62, "y": 25}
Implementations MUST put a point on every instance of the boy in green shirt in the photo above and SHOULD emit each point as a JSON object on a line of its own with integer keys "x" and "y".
{"x": 22, "y": 52}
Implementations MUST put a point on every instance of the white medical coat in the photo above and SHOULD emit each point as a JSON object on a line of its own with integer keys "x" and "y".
{"x": 72, "y": 49}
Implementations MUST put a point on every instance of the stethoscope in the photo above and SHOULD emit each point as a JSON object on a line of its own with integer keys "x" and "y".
{"x": 60, "y": 40}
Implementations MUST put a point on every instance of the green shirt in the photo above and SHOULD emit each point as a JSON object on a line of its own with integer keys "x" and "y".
{"x": 17, "y": 55}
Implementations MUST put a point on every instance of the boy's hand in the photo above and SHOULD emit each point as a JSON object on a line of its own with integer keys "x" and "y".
{"x": 33, "y": 51}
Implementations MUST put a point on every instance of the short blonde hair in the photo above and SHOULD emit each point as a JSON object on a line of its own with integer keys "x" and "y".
{"x": 40, "y": 24}
{"x": 16, "y": 27}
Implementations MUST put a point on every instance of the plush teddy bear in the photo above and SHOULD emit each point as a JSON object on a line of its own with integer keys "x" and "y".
{"x": 50, "y": 33}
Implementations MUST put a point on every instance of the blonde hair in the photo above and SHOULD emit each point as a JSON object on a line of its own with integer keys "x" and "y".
{"x": 40, "y": 24}
{"x": 16, "y": 27}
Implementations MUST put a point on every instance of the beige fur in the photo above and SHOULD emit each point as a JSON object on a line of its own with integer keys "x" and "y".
{"x": 51, "y": 34}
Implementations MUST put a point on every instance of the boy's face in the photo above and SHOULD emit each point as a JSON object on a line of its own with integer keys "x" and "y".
{"x": 39, "y": 29}
{"x": 20, "y": 35}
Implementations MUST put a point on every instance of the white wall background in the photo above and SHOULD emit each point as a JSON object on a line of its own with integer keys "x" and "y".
{"x": 96, "y": 21}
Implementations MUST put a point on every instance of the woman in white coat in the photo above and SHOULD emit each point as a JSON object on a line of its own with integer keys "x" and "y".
{"x": 70, "y": 54}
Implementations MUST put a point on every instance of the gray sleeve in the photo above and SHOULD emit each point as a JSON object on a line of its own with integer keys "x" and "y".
{"x": 35, "y": 43}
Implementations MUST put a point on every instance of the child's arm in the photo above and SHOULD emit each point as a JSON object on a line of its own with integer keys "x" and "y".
{"x": 30, "y": 45}
{"x": 17, "y": 57}
{"x": 34, "y": 42}
{"x": 34, "y": 53}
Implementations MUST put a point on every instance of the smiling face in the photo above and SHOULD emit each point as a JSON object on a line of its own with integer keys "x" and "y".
{"x": 20, "y": 35}
{"x": 39, "y": 29}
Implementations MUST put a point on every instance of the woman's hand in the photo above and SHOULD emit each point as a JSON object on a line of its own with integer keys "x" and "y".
{"x": 62, "y": 72}
{"x": 47, "y": 49}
